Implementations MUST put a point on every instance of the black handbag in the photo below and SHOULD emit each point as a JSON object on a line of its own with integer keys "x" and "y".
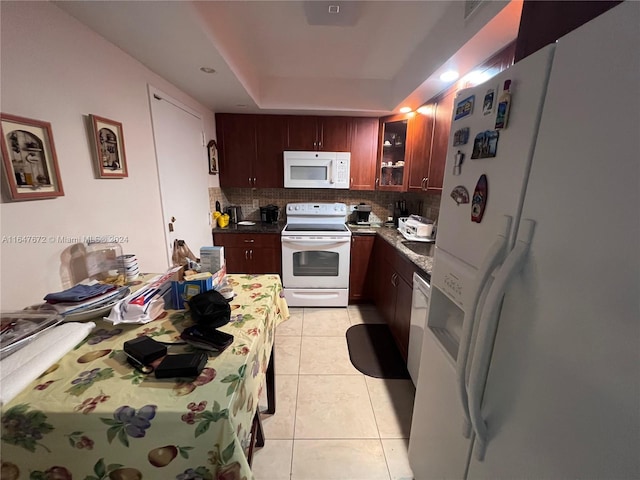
{"x": 210, "y": 308}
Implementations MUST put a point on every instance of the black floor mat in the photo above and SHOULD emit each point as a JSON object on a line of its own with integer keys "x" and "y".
{"x": 373, "y": 352}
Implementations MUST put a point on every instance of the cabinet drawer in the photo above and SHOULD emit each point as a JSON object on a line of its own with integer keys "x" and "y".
{"x": 255, "y": 240}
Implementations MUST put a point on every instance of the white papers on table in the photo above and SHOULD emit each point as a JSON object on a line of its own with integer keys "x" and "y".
{"x": 22, "y": 367}
{"x": 146, "y": 304}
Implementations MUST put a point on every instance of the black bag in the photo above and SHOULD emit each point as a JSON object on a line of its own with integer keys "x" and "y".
{"x": 210, "y": 308}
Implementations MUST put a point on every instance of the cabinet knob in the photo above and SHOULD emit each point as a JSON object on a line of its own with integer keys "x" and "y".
{"x": 426, "y": 183}
{"x": 377, "y": 181}
{"x": 251, "y": 254}
{"x": 246, "y": 254}
{"x": 249, "y": 179}
{"x": 251, "y": 240}
{"x": 254, "y": 181}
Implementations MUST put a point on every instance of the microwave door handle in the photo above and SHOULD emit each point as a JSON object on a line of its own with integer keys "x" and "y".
{"x": 331, "y": 166}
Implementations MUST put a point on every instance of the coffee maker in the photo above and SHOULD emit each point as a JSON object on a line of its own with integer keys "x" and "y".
{"x": 269, "y": 214}
{"x": 361, "y": 214}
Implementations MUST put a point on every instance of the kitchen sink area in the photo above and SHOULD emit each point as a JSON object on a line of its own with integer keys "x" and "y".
{"x": 421, "y": 248}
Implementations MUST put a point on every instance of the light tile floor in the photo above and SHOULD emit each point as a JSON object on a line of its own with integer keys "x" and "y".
{"x": 331, "y": 421}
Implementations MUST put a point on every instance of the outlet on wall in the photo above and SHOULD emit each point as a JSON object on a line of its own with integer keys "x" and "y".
{"x": 256, "y": 203}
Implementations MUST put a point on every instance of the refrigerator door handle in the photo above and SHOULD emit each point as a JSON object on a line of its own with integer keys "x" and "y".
{"x": 487, "y": 330}
{"x": 492, "y": 259}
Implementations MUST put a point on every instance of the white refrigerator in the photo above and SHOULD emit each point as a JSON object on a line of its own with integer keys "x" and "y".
{"x": 530, "y": 364}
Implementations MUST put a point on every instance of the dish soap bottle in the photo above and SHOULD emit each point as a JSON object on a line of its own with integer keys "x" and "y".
{"x": 504, "y": 103}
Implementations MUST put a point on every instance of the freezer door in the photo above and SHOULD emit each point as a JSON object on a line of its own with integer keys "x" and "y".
{"x": 562, "y": 395}
{"x": 506, "y": 173}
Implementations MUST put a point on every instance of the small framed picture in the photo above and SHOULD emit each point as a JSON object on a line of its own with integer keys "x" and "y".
{"x": 108, "y": 148}
{"x": 212, "y": 151}
{"x": 29, "y": 158}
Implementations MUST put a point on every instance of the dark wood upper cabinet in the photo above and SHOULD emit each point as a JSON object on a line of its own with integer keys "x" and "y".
{"x": 302, "y": 133}
{"x": 440, "y": 143}
{"x": 251, "y": 149}
{"x": 329, "y": 134}
{"x": 420, "y": 134}
{"x": 237, "y": 148}
{"x": 364, "y": 141}
{"x": 394, "y": 161}
{"x": 334, "y": 134}
{"x": 542, "y": 23}
{"x": 271, "y": 138}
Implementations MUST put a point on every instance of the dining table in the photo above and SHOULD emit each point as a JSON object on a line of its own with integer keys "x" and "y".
{"x": 93, "y": 416}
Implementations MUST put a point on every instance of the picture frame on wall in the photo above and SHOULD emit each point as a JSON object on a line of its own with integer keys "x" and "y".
{"x": 212, "y": 152}
{"x": 29, "y": 159}
{"x": 108, "y": 148}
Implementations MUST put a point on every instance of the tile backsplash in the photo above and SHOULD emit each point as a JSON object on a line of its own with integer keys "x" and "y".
{"x": 424, "y": 204}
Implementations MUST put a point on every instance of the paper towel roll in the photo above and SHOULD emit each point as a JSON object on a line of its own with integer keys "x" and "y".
{"x": 22, "y": 367}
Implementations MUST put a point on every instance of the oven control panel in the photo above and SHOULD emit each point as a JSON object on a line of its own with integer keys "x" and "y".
{"x": 321, "y": 209}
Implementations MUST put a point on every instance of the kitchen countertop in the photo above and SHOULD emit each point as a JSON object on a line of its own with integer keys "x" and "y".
{"x": 392, "y": 236}
{"x": 259, "y": 227}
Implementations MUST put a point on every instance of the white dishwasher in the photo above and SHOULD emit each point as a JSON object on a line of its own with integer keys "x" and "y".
{"x": 419, "y": 310}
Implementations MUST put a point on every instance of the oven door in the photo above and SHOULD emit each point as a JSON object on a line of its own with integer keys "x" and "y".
{"x": 315, "y": 262}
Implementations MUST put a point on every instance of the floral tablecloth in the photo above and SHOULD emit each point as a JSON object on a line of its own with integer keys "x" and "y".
{"x": 91, "y": 416}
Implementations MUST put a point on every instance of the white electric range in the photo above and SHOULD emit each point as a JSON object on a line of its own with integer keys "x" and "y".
{"x": 316, "y": 248}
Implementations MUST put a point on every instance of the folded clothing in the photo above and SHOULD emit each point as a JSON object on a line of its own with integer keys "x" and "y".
{"x": 22, "y": 367}
{"x": 79, "y": 292}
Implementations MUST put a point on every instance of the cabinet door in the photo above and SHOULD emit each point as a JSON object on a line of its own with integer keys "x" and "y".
{"x": 364, "y": 150}
{"x": 360, "y": 270}
{"x": 265, "y": 260}
{"x": 302, "y": 133}
{"x": 440, "y": 143}
{"x": 237, "y": 143}
{"x": 419, "y": 135}
{"x": 271, "y": 139}
{"x": 334, "y": 134}
{"x": 237, "y": 259}
{"x": 402, "y": 321}
{"x": 393, "y": 160}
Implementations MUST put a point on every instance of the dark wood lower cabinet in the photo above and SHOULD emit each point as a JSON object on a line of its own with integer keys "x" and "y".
{"x": 393, "y": 289}
{"x": 361, "y": 269}
{"x": 251, "y": 253}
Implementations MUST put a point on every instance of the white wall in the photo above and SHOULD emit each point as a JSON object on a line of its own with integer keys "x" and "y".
{"x": 57, "y": 70}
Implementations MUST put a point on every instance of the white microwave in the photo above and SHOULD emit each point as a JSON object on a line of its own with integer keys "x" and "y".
{"x": 316, "y": 169}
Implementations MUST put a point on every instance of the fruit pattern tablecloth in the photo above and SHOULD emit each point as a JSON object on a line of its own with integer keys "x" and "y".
{"x": 91, "y": 416}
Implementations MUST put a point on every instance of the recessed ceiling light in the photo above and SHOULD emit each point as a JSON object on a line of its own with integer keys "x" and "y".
{"x": 334, "y": 8}
{"x": 449, "y": 76}
{"x": 405, "y": 109}
{"x": 207, "y": 70}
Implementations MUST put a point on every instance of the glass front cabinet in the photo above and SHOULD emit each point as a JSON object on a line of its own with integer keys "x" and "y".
{"x": 391, "y": 171}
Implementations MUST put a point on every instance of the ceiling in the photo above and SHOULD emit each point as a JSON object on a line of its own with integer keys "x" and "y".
{"x": 368, "y": 58}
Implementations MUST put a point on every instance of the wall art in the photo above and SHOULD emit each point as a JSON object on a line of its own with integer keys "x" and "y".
{"x": 108, "y": 148}
{"x": 29, "y": 158}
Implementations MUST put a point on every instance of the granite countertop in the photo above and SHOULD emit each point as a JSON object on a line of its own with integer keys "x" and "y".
{"x": 392, "y": 236}
{"x": 259, "y": 227}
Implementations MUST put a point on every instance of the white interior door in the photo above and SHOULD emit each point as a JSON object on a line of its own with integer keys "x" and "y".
{"x": 182, "y": 171}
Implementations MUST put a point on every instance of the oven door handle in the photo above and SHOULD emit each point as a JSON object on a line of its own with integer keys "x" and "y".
{"x": 305, "y": 241}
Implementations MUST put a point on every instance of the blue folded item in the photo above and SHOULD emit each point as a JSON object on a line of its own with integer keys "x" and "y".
{"x": 78, "y": 293}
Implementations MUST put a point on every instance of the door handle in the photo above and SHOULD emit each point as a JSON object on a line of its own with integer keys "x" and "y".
{"x": 394, "y": 277}
{"x": 251, "y": 254}
{"x": 254, "y": 181}
{"x": 377, "y": 181}
{"x": 249, "y": 181}
{"x": 246, "y": 254}
{"x": 491, "y": 260}
{"x": 487, "y": 331}
{"x": 426, "y": 183}
{"x": 422, "y": 184}
{"x": 249, "y": 240}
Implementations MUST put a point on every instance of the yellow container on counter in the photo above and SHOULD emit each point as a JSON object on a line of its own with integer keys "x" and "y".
{"x": 223, "y": 220}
